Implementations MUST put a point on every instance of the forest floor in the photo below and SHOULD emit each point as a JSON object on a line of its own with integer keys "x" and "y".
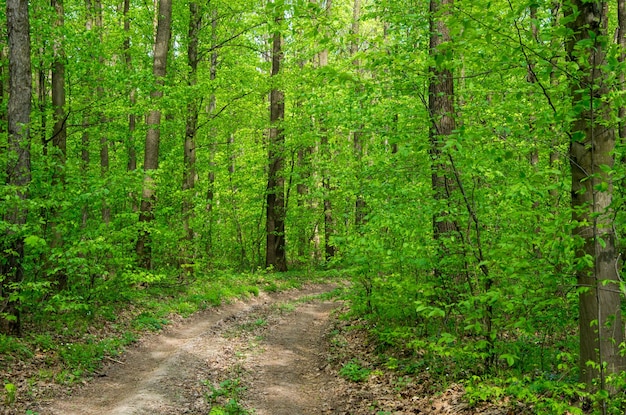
{"x": 273, "y": 354}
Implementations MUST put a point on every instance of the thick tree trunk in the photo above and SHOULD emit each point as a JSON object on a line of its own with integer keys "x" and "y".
{"x": 153, "y": 135}
{"x": 441, "y": 108}
{"x": 591, "y": 154}
{"x": 18, "y": 169}
{"x": 275, "y": 255}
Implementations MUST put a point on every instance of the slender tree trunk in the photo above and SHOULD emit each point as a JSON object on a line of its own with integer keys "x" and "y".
{"x": 105, "y": 210}
{"x": 59, "y": 132}
{"x": 357, "y": 135}
{"x": 132, "y": 98}
{"x": 234, "y": 204}
{"x": 591, "y": 153}
{"x": 42, "y": 98}
{"x": 85, "y": 139}
{"x": 4, "y": 77}
{"x": 304, "y": 163}
{"x": 621, "y": 41}
{"x": 151, "y": 154}
{"x": 275, "y": 255}
{"x": 189, "y": 157}
{"x": 554, "y": 80}
{"x": 210, "y": 111}
{"x": 533, "y": 155}
{"x": 18, "y": 168}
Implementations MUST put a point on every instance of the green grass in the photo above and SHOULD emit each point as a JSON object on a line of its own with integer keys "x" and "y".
{"x": 225, "y": 398}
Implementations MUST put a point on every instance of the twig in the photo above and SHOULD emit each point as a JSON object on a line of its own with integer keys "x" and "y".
{"x": 114, "y": 360}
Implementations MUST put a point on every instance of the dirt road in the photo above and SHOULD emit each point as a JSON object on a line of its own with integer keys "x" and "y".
{"x": 264, "y": 355}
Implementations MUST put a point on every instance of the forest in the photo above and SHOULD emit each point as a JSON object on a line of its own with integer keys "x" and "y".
{"x": 460, "y": 163}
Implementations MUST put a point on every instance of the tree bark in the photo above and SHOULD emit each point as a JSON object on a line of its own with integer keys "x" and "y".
{"x": 4, "y": 77}
{"x": 105, "y": 210}
{"x": 441, "y": 109}
{"x": 591, "y": 155}
{"x": 211, "y": 110}
{"x": 189, "y": 157}
{"x": 59, "y": 132}
{"x": 621, "y": 41}
{"x": 357, "y": 136}
{"x": 18, "y": 168}
{"x": 275, "y": 255}
{"x": 85, "y": 138}
{"x": 151, "y": 154}
{"x": 132, "y": 154}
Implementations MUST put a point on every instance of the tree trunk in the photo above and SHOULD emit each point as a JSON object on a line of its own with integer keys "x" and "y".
{"x": 213, "y": 134}
{"x": 189, "y": 157}
{"x": 4, "y": 77}
{"x": 59, "y": 131}
{"x": 275, "y": 255}
{"x": 18, "y": 169}
{"x": 621, "y": 41}
{"x": 189, "y": 150}
{"x": 85, "y": 139}
{"x": 151, "y": 154}
{"x": 321, "y": 60}
{"x": 441, "y": 109}
{"x": 104, "y": 141}
{"x": 591, "y": 155}
{"x": 131, "y": 165}
{"x": 357, "y": 136}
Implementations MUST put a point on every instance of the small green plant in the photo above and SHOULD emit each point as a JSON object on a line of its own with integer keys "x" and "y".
{"x": 259, "y": 322}
{"x": 286, "y": 307}
{"x": 354, "y": 371}
{"x": 10, "y": 393}
{"x": 149, "y": 322}
{"x": 224, "y": 398}
{"x": 12, "y": 345}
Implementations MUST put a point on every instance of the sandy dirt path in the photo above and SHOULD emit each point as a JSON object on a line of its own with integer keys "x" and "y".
{"x": 277, "y": 352}
{"x": 288, "y": 377}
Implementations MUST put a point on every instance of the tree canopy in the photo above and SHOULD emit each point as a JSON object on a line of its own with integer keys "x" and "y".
{"x": 461, "y": 162}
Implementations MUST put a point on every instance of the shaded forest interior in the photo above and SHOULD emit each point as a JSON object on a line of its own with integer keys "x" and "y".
{"x": 460, "y": 163}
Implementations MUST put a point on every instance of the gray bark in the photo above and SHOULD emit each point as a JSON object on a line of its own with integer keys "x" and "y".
{"x": 18, "y": 168}
{"x": 275, "y": 255}
{"x": 153, "y": 135}
{"x": 591, "y": 151}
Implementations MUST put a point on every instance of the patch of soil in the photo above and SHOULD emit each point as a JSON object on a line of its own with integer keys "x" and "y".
{"x": 171, "y": 373}
{"x": 288, "y": 376}
{"x": 278, "y": 354}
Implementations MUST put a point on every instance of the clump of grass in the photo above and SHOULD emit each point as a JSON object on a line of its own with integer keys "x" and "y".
{"x": 225, "y": 398}
{"x": 354, "y": 371}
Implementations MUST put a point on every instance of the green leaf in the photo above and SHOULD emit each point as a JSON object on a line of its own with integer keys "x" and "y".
{"x": 510, "y": 358}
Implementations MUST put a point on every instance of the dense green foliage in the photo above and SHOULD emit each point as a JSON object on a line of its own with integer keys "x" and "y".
{"x": 500, "y": 314}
